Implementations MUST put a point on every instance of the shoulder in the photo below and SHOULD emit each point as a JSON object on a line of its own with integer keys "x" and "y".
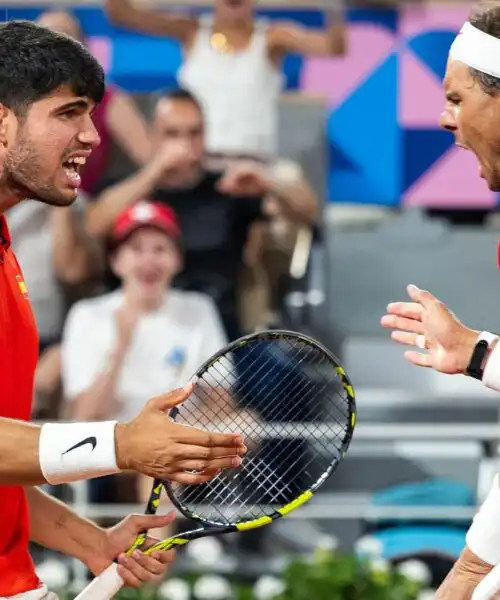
{"x": 196, "y": 304}
{"x": 94, "y": 308}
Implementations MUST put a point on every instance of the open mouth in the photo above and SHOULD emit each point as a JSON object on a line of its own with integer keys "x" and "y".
{"x": 72, "y": 168}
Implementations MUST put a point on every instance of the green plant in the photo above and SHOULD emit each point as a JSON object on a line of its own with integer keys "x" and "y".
{"x": 324, "y": 576}
{"x": 336, "y": 576}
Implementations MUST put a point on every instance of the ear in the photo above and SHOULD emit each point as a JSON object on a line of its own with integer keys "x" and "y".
{"x": 4, "y": 124}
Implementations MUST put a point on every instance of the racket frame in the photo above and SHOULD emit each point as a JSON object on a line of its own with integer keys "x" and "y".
{"x": 209, "y": 527}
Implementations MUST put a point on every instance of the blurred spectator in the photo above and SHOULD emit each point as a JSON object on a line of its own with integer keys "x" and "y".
{"x": 57, "y": 257}
{"x": 215, "y": 209}
{"x": 232, "y": 64}
{"x": 117, "y": 118}
{"x": 124, "y": 347}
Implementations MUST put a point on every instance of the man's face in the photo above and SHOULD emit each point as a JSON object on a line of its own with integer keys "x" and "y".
{"x": 42, "y": 152}
{"x": 147, "y": 261}
{"x": 473, "y": 117}
{"x": 178, "y": 132}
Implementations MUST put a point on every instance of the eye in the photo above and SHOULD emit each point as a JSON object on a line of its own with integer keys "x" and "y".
{"x": 70, "y": 114}
{"x": 454, "y": 99}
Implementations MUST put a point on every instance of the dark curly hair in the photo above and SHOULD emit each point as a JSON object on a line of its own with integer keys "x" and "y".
{"x": 35, "y": 61}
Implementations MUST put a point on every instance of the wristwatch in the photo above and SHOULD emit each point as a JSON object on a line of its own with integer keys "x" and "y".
{"x": 476, "y": 365}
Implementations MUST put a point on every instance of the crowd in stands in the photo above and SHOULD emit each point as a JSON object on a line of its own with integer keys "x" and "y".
{"x": 149, "y": 273}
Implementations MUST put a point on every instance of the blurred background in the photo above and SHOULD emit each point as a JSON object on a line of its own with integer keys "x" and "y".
{"x": 273, "y": 164}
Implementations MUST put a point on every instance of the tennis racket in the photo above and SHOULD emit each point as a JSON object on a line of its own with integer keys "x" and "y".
{"x": 294, "y": 404}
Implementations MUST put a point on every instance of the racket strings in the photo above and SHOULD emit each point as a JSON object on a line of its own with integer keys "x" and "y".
{"x": 279, "y": 394}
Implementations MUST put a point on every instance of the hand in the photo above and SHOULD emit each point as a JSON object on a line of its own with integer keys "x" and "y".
{"x": 137, "y": 568}
{"x": 126, "y": 319}
{"x": 462, "y": 580}
{"x": 156, "y": 446}
{"x": 174, "y": 156}
{"x": 244, "y": 179}
{"x": 450, "y": 344}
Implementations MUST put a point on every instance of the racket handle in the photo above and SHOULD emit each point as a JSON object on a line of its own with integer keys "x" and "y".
{"x": 104, "y": 586}
{"x": 489, "y": 587}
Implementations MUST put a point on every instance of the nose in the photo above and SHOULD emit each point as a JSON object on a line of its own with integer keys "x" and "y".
{"x": 89, "y": 136}
{"x": 448, "y": 119}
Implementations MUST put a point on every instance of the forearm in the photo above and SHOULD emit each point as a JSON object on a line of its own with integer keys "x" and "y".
{"x": 463, "y": 578}
{"x": 102, "y": 213}
{"x": 98, "y": 401}
{"x": 336, "y": 33}
{"x": 72, "y": 255}
{"x": 19, "y": 443}
{"x": 295, "y": 197}
{"x": 54, "y": 525}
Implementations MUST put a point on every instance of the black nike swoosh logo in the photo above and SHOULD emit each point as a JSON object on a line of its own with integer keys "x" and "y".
{"x": 90, "y": 440}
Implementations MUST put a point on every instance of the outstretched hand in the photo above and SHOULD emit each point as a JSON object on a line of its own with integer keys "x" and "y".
{"x": 153, "y": 444}
{"x": 428, "y": 324}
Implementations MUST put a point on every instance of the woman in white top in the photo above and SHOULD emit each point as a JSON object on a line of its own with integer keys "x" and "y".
{"x": 232, "y": 65}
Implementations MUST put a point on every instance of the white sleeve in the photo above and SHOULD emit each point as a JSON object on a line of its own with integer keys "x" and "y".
{"x": 214, "y": 334}
{"x": 483, "y": 537}
{"x": 214, "y": 338}
{"x": 80, "y": 355}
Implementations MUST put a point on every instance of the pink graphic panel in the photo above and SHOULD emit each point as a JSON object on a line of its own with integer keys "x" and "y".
{"x": 421, "y": 97}
{"x": 335, "y": 79}
{"x": 414, "y": 20}
{"x": 101, "y": 48}
{"x": 453, "y": 181}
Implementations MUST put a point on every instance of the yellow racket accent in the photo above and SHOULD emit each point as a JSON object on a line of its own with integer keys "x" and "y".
{"x": 260, "y": 522}
{"x": 302, "y": 499}
{"x": 167, "y": 544}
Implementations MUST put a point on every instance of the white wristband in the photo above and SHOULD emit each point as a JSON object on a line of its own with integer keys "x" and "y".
{"x": 491, "y": 374}
{"x": 483, "y": 537}
{"x": 74, "y": 451}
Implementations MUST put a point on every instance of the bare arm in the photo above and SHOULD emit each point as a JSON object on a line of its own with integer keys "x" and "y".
{"x": 124, "y": 13}
{"x": 103, "y": 211}
{"x": 291, "y": 193}
{"x": 19, "y": 451}
{"x": 99, "y": 401}
{"x": 75, "y": 257}
{"x": 465, "y": 575}
{"x": 128, "y": 127}
{"x": 54, "y": 525}
{"x": 291, "y": 37}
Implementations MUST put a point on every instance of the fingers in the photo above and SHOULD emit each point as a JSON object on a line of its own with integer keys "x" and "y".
{"x": 187, "y": 452}
{"x": 166, "y": 557}
{"x": 403, "y": 337}
{"x": 419, "y": 359}
{"x": 140, "y": 568}
{"x": 144, "y": 522}
{"x": 173, "y": 398}
{"x": 410, "y": 310}
{"x": 199, "y": 437}
{"x": 228, "y": 462}
{"x": 423, "y": 297}
{"x": 402, "y": 323}
{"x": 193, "y": 478}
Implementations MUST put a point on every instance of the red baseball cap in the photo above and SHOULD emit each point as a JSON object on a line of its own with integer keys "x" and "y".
{"x": 146, "y": 214}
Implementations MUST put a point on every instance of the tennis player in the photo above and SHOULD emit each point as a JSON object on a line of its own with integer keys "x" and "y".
{"x": 472, "y": 114}
{"x": 49, "y": 85}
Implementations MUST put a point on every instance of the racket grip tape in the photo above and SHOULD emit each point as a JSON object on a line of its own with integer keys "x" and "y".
{"x": 104, "y": 587}
{"x": 489, "y": 587}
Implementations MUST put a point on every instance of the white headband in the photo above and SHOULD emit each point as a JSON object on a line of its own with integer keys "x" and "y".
{"x": 477, "y": 49}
